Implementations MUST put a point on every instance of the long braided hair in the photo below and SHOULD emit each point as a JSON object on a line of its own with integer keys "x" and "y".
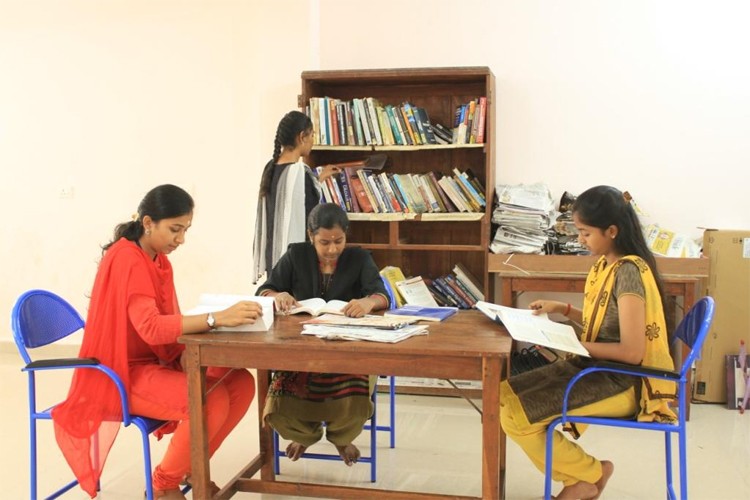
{"x": 290, "y": 127}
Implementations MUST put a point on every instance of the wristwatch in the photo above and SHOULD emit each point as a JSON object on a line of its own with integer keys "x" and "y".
{"x": 211, "y": 321}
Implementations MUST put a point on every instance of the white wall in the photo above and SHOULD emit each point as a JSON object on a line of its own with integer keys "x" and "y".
{"x": 114, "y": 97}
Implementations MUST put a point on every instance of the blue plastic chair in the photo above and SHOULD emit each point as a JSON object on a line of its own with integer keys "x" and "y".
{"x": 373, "y": 426}
{"x": 692, "y": 330}
{"x": 40, "y": 318}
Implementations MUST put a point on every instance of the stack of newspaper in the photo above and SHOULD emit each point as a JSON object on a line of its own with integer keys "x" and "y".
{"x": 525, "y": 214}
{"x": 372, "y": 328}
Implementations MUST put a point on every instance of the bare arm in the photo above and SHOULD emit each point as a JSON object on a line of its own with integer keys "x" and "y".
{"x": 631, "y": 310}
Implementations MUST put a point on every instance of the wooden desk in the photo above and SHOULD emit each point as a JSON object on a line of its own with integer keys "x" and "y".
{"x": 466, "y": 346}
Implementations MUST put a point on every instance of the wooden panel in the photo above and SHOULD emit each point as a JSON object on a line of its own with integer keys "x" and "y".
{"x": 580, "y": 264}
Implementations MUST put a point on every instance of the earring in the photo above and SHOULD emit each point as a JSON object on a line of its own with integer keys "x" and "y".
{"x": 148, "y": 232}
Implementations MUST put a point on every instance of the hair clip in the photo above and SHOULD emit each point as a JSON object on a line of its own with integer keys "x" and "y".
{"x": 135, "y": 217}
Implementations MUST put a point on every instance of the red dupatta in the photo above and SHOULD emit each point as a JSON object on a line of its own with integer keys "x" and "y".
{"x": 87, "y": 422}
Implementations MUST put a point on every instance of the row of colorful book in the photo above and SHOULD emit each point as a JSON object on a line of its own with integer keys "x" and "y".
{"x": 469, "y": 123}
{"x": 370, "y": 191}
{"x": 459, "y": 288}
{"x": 365, "y": 121}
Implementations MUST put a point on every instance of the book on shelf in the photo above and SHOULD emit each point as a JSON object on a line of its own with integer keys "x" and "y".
{"x": 215, "y": 302}
{"x": 448, "y": 290}
{"x": 443, "y": 132}
{"x": 450, "y": 280}
{"x": 350, "y": 134}
{"x": 317, "y": 306}
{"x": 422, "y": 313}
{"x": 363, "y": 177}
{"x": 414, "y": 291}
{"x": 482, "y": 119}
{"x": 402, "y": 125}
{"x": 314, "y": 115}
{"x": 398, "y": 134}
{"x": 348, "y": 176}
{"x": 336, "y": 332}
{"x": 335, "y": 139}
{"x": 344, "y": 185}
{"x": 392, "y": 275}
{"x": 362, "y": 199}
{"x": 456, "y": 198}
{"x": 362, "y": 111}
{"x": 369, "y": 321}
{"x": 469, "y": 190}
{"x": 468, "y": 279}
{"x": 373, "y": 120}
{"x": 441, "y": 297}
{"x": 525, "y": 326}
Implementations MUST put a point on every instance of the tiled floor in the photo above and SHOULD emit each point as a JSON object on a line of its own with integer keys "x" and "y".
{"x": 437, "y": 450}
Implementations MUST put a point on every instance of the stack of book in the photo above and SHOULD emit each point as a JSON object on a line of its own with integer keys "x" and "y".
{"x": 363, "y": 190}
{"x": 460, "y": 288}
{"x": 457, "y": 289}
{"x": 469, "y": 123}
{"x": 366, "y": 121}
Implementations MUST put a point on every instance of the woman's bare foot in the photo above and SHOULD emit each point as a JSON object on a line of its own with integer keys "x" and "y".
{"x": 349, "y": 454}
{"x": 608, "y": 468}
{"x": 577, "y": 491}
{"x": 295, "y": 450}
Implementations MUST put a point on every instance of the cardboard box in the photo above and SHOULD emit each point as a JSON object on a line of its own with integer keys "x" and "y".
{"x": 729, "y": 285}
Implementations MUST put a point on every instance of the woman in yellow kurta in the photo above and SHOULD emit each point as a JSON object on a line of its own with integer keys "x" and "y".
{"x": 622, "y": 320}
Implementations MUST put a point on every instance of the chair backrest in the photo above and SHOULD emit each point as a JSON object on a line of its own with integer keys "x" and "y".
{"x": 389, "y": 291}
{"x": 40, "y": 318}
{"x": 693, "y": 330}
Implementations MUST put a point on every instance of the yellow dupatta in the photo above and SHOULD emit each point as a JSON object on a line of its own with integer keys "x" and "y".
{"x": 655, "y": 394}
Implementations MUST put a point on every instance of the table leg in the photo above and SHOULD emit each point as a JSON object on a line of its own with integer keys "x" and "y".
{"x": 196, "y": 378}
{"x": 493, "y": 439}
{"x": 506, "y": 297}
{"x": 265, "y": 433}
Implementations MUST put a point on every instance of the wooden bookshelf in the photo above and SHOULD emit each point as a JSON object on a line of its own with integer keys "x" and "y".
{"x": 427, "y": 244}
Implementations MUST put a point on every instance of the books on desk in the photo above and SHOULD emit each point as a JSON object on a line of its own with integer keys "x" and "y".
{"x": 525, "y": 326}
{"x": 317, "y": 306}
{"x": 336, "y": 332}
{"x": 422, "y": 313}
{"x": 212, "y": 302}
{"x": 367, "y": 321}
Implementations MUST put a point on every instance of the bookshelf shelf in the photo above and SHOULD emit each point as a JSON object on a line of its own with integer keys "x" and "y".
{"x": 428, "y": 244}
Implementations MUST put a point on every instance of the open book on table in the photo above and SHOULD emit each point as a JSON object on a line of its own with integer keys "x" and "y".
{"x": 317, "y": 306}
{"x": 421, "y": 313}
{"x": 525, "y": 326}
{"x": 212, "y": 302}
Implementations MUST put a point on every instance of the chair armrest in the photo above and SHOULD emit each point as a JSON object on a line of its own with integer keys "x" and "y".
{"x": 636, "y": 370}
{"x": 61, "y": 363}
{"x": 622, "y": 368}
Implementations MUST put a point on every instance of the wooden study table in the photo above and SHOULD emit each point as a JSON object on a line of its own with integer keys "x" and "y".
{"x": 466, "y": 346}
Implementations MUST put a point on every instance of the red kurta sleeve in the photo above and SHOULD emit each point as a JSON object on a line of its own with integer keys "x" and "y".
{"x": 151, "y": 325}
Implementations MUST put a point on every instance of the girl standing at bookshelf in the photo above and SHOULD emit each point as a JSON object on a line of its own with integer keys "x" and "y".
{"x": 289, "y": 190}
{"x": 623, "y": 321}
{"x": 299, "y": 402}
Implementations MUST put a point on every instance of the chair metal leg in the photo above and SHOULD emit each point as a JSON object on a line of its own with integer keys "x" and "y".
{"x": 392, "y": 410}
{"x": 548, "y": 459}
{"x": 682, "y": 439}
{"x": 32, "y": 457}
{"x": 276, "y": 454}
{"x": 146, "y": 459}
{"x": 374, "y": 437}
